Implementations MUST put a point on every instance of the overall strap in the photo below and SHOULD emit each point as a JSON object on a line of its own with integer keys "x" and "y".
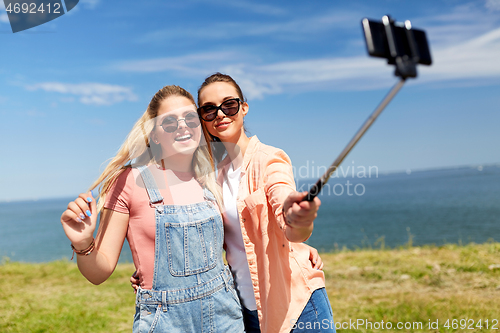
{"x": 149, "y": 181}
{"x": 208, "y": 195}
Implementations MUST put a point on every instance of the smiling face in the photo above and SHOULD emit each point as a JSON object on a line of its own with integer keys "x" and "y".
{"x": 184, "y": 133}
{"x": 226, "y": 128}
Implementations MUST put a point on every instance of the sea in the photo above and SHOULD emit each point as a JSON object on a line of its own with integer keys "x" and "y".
{"x": 433, "y": 207}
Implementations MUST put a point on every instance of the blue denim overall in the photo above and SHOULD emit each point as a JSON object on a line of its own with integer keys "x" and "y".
{"x": 193, "y": 291}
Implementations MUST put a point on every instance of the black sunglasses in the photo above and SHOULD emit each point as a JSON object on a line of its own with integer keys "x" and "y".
{"x": 229, "y": 108}
{"x": 170, "y": 124}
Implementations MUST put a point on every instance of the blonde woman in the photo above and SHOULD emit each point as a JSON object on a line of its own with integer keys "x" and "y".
{"x": 265, "y": 220}
{"x": 160, "y": 193}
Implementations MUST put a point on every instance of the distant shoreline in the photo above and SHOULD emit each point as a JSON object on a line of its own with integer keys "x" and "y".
{"x": 457, "y": 206}
{"x": 384, "y": 173}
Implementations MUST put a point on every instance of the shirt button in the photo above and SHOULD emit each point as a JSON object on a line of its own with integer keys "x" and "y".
{"x": 255, "y": 283}
{"x": 243, "y": 220}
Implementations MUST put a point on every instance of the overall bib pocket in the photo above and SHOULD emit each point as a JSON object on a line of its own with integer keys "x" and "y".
{"x": 192, "y": 246}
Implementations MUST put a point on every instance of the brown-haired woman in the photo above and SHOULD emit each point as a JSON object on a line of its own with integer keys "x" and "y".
{"x": 265, "y": 220}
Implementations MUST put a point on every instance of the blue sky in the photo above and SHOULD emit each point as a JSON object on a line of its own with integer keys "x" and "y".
{"x": 71, "y": 89}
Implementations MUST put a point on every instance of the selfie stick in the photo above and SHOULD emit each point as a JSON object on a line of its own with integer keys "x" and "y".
{"x": 316, "y": 188}
{"x": 405, "y": 67}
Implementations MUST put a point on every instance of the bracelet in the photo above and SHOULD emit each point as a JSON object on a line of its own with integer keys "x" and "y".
{"x": 85, "y": 252}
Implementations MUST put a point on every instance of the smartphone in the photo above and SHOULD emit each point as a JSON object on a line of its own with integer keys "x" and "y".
{"x": 407, "y": 42}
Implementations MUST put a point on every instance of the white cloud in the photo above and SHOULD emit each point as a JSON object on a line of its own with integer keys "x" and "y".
{"x": 89, "y": 93}
{"x": 465, "y": 46}
{"x": 301, "y": 25}
{"x": 253, "y": 7}
{"x": 460, "y": 24}
{"x": 4, "y": 18}
{"x": 356, "y": 73}
{"x": 186, "y": 64}
{"x": 298, "y": 28}
{"x": 493, "y": 4}
{"x": 248, "y": 6}
{"x": 475, "y": 59}
{"x": 90, "y": 3}
{"x": 263, "y": 79}
{"x": 35, "y": 113}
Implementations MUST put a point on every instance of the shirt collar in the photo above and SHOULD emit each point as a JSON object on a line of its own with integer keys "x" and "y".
{"x": 251, "y": 149}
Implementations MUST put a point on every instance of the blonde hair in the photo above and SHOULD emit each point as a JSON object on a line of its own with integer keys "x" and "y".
{"x": 138, "y": 149}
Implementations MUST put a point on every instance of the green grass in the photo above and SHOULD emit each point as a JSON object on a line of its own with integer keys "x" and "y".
{"x": 416, "y": 284}
{"x": 407, "y": 285}
{"x": 55, "y": 297}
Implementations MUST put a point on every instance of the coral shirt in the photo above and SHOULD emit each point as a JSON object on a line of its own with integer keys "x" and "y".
{"x": 128, "y": 195}
{"x": 282, "y": 275}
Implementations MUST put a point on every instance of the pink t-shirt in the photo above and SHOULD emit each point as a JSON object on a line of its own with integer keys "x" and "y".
{"x": 128, "y": 195}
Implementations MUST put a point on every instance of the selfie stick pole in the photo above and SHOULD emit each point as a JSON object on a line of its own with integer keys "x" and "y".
{"x": 316, "y": 188}
{"x": 406, "y": 67}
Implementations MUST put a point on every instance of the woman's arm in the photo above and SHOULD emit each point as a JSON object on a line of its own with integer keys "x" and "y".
{"x": 295, "y": 216}
{"x": 79, "y": 222}
{"x": 299, "y": 216}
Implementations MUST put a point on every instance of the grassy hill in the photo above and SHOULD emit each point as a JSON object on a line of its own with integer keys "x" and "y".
{"x": 412, "y": 287}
